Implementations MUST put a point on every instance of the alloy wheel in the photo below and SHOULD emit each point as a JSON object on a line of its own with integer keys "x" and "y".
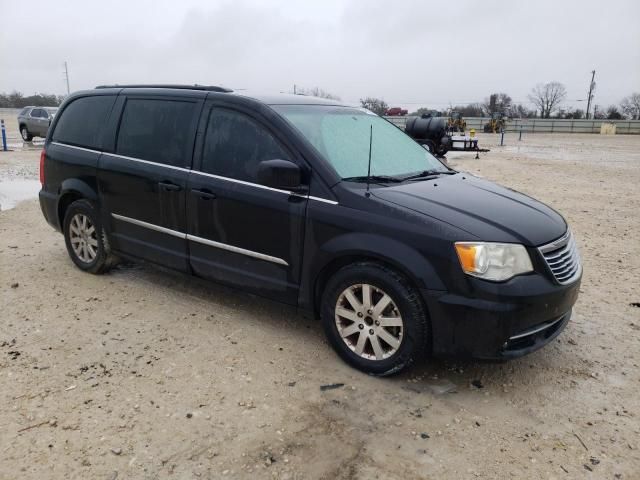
{"x": 83, "y": 238}
{"x": 369, "y": 322}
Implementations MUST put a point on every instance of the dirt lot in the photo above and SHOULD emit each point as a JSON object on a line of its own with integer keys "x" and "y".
{"x": 147, "y": 374}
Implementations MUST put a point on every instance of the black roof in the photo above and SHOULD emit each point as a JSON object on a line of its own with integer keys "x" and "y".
{"x": 208, "y": 88}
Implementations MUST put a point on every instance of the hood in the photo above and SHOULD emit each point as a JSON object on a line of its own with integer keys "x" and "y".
{"x": 484, "y": 209}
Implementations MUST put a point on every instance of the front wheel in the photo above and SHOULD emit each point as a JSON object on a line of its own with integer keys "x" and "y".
{"x": 26, "y": 136}
{"x": 85, "y": 239}
{"x": 373, "y": 318}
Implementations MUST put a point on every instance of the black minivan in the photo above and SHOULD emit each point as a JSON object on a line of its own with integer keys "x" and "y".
{"x": 316, "y": 204}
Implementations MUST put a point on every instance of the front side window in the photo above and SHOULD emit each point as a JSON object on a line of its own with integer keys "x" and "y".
{"x": 235, "y": 144}
{"x": 82, "y": 122}
{"x": 157, "y": 130}
{"x": 343, "y": 135}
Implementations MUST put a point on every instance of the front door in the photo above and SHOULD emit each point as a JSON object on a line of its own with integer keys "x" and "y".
{"x": 143, "y": 182}
{"x": 240, "y": 232}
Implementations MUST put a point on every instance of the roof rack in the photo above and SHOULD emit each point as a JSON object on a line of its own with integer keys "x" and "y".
{"x": 209, "y": 88}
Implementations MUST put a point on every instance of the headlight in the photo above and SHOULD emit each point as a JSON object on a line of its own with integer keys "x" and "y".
{"x": 493, "y": 261}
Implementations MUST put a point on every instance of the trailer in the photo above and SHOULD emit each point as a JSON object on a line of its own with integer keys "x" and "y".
{"x": 434, "y": 134}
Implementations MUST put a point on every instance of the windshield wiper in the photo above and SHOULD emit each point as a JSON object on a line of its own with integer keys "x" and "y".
{"x": 428, "y": 173}
{"x": 374, "y": 178}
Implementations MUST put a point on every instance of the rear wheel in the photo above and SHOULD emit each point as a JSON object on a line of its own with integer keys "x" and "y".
{"x": 85, "y": 238}
{"x": 373, "y": 318}
{"x": 26, "y": 136}
{"x": 431, "y": 146}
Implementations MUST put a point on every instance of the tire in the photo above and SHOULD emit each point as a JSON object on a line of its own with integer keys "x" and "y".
{"x": 410, "y": 330}
{"x": 442, "y": 151}
{"x": 24, "y": 133}
{"x": 85, "y": 238}
{"x": 431, "y": 146}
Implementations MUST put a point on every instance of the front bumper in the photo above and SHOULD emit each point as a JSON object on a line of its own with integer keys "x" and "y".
{"x": 500, "y": 321}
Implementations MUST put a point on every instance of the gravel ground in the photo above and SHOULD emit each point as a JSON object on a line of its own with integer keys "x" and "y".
{"x": 147, "y": 374}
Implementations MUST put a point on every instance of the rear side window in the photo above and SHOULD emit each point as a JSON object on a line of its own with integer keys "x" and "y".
{"x": 81, "y": 123}
{"x": 235, "y": 144}
{"x": 160, "y": 131}
{"x": 37, "y": 113}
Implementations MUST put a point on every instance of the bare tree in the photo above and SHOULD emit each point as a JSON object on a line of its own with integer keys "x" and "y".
{"x": 548, "y": 97}
{"x": 496, "y": 103}
{"x": 317, "y": 92}
{"x": 613, "y": 113}
{"x": 630, "y": 106}
{"x": 18, "y": 100}
{"x": 519, "y": 111}
{"x": 575, "y": 114}
{"x": 375, "y": 105}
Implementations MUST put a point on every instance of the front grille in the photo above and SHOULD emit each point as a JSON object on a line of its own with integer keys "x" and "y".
{"x": 563, "y": 258}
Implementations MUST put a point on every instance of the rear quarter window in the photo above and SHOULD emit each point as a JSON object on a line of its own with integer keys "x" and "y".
{"x": 81, "y": 123}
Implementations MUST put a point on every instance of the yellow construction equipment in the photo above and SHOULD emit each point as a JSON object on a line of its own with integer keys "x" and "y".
{"x": 496, "y": 123}
{"x": 456, "y": 123}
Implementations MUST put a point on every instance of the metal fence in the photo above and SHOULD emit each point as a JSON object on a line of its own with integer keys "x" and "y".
{"x": 546, "y": 125}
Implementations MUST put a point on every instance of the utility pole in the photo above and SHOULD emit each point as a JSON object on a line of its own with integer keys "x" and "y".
{"x": 592, "y": 85}
{"x": 66, "y": 76}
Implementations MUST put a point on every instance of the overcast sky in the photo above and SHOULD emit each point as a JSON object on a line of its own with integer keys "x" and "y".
{"x": 411, "y": 53}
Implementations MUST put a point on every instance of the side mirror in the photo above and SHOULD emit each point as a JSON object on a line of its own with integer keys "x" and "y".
{"x": 281, "y": 174}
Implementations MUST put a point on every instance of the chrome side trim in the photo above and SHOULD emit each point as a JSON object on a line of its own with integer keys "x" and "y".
{"x": 148, "y": 162}
{"x": 264, "y": 187}
{"x": 75, "y": 148}
{"x": 196, "y": 172}
{"x": 204, "y": 241}
{"x": 241, "y": 251}
{"x": 150, "y": 226}
{"x": 242, "y": 182}
{"x": 536, "y": 330}
{"x": 323, "y": 200}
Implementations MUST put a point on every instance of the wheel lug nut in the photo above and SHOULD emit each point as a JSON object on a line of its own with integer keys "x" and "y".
{"x": 371, "y": 331}
{"x": 369, "y": 312}
{"x": 360, "y": 314}
{"x": 377, "y": 322}
{"x": 361, "y": 326}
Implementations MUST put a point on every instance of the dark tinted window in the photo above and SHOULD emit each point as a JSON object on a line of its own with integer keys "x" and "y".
{"x": 235, "y": 144}
{"x": 157, "y": 130}
{"x": 81, "y": 123}
{"x": 38, "y": 113}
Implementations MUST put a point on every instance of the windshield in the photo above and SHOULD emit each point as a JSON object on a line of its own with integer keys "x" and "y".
{"x": 342, "y": 134}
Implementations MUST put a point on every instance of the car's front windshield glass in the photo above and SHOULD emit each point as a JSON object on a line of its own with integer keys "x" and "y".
{"x": 342, "y": 134}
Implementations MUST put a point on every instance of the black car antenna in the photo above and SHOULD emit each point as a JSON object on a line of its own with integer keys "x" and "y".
{"x": 369, "y": 167}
